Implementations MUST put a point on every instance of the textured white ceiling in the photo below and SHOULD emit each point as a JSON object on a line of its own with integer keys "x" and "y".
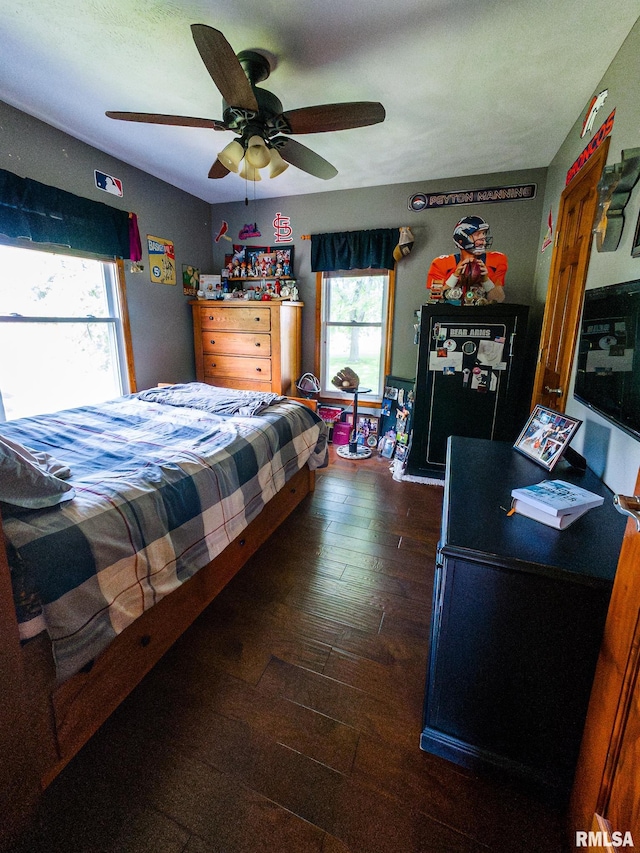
{"x": 468, "y": 87}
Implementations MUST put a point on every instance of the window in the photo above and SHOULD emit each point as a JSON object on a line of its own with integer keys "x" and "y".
{"x": 356, "y": 315}
{"x": 63, "y": 331}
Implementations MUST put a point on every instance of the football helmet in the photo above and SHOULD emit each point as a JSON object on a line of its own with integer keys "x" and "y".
{"x": 468, "y": 226}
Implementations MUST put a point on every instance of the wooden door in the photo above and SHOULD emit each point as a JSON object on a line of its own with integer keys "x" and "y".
{"x": 578, "y": 205}
{"x": 606, "y": 792}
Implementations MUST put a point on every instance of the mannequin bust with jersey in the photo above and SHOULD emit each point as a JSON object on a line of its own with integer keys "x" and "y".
{"x": 473, "y": 275}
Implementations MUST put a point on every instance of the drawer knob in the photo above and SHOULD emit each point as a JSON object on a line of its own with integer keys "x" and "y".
{"x": 257, "y": 343}
{"x": 213, "y": 364}
{"x": 210, "y": 317}
{"x": 145, "y": 639}
{"x": 212, "y": 341}
{"x": 259, "y": 369}
{"x": 242, "y": 542}
{"x": 257, "y": 319}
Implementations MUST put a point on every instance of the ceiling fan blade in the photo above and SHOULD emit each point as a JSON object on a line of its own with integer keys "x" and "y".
{"x": 224, "y": 67}
{"x": 218, "y": 170}
{"x": 158, "y": 118}
{"x": 304, "y": 158}
{"x": 328, "y": 117}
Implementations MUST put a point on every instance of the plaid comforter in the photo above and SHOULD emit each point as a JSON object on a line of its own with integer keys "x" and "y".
{"x": 159, "y": 492}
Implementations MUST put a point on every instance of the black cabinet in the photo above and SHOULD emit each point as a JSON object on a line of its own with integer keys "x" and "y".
{"x": 470, "y": 380}
{"x": 518, "y": 614}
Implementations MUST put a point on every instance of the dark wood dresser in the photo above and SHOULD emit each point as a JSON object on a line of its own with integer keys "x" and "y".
{"x": 518, "y": 614}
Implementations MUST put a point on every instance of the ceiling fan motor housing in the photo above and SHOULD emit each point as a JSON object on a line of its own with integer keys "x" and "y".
{"x": 267, "y": 122}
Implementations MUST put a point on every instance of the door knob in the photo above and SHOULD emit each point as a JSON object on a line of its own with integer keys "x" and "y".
{"x": 628, "y": 506}
{"x": 557, "y": 391}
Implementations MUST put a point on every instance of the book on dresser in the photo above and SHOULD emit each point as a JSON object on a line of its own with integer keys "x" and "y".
{"x": 554, "y": 502}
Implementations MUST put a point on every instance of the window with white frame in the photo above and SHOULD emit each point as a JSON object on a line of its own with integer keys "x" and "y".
{"x": 62, "y": 331}
{"x": 356, "y": 318}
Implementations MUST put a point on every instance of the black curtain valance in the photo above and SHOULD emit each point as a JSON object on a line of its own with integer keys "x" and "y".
{"x": 44, "y": 214}
{"x": 354, "y": 250}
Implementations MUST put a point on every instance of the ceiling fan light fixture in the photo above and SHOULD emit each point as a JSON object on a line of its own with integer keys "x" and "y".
{"x": 277, "y": 164}
{"x": 231, "y": 155}
{"x": 249, "y": 172}
{"x": 258, "y": 154}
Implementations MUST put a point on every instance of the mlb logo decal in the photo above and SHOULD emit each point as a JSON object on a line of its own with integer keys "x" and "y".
{"x": 108, "y": 183}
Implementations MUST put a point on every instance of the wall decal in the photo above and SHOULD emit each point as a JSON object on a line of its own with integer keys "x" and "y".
{"x": 108, "y": 183}
{"x": 424, "y": 201}
{"x": 249, "y": 230}
{"x": 596, "y": 141}
{"x": 224, "y": 227}
{"x": 283, "y": 230}
{"x": 597, "y": 102}
{"x": 162, "y": 260}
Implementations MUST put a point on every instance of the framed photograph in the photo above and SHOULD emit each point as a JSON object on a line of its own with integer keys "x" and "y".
{"x": 367, "y": 430}
{"x": 546, "y": 436}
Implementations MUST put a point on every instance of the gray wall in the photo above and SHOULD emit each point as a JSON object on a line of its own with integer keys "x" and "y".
{"x": 611, "y": 452}
{"x": 514, "y": 224}
{"x": 160, "y": 316}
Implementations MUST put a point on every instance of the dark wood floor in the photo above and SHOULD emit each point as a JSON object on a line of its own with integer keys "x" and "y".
{"x": 288, "y": 717}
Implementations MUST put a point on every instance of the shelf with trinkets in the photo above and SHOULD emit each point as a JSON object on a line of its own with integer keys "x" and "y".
{"x": 259, "y": 288}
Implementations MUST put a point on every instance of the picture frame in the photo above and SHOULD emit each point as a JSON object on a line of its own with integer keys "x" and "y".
{"x": 367, "y": 430}
{"x": 546, "y": 436}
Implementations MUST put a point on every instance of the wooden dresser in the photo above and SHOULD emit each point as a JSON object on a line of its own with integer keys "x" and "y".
{"x": 248, "y": 345}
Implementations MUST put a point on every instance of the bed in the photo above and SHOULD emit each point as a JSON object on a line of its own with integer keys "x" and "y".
{"x": 131, "y": 517}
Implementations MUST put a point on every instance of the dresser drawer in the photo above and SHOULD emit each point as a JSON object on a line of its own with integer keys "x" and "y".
{"x": 236, "y": 319}
{"x": 237, "y": 384}
{"x": 230, "y": 365}
{"x": 236, "y": 343}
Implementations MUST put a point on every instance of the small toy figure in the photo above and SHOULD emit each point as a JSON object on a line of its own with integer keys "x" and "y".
{"x": 472, "y": 276}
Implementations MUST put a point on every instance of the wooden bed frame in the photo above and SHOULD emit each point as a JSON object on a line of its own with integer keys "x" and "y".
{"x": 43, "y": 725}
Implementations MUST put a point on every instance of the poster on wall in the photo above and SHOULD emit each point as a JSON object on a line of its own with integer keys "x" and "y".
{"x": 162, "y": 260}
{"x": 190, "y": 280}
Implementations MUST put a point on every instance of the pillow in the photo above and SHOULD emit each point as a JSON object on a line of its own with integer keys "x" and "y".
{"x": 31, "y": 479}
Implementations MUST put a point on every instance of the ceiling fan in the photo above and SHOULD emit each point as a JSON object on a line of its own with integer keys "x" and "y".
{"x": 257, "y": 117}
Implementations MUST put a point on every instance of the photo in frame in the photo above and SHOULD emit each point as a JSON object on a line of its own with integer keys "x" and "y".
{"x": 546, "y": 436}
{"x": 367, "y": 430}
